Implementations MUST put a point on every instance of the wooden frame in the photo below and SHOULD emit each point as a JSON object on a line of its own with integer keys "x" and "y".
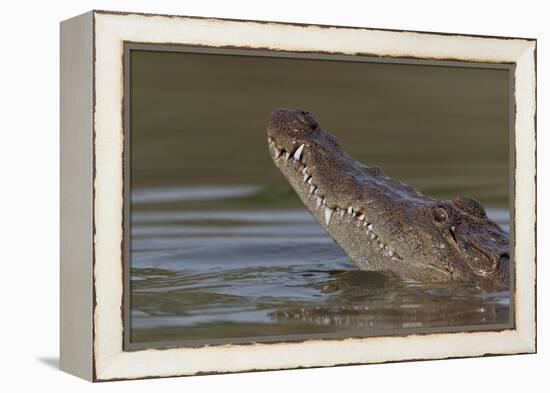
{"x": 92, "y": 189}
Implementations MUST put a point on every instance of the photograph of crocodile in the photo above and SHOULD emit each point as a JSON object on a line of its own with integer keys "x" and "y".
{"x": 298, "y": 196}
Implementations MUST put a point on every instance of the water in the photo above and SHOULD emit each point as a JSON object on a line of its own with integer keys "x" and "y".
{"x": 272, "y": 273}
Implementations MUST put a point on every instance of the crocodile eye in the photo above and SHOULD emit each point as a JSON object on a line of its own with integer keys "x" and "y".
{"x": 440, "y": 214}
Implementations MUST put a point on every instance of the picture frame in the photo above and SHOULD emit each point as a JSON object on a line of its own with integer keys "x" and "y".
{"x": 94, "y": 186}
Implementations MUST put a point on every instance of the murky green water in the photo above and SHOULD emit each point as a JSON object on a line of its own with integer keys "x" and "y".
{"x": 221, "y": 247}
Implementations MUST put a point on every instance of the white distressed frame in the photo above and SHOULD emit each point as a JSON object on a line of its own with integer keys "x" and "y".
{"x": 111, "y": 30}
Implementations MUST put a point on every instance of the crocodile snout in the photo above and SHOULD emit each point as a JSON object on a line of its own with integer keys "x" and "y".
{"x": 291, "y": 123}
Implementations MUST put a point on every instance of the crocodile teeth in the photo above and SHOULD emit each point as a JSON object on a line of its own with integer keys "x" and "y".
{"x": 278, "y": 153}
{"x": 350, "y": 210}
{"x": 319, "y": 201}
{"x": 298, "y": 152}
{"x": 287, "y": 155}
{"x": 328, "y": 214}
{"x": 269, "y": 139}
{"x": 311, "y": 189}
{"x": 342, "y": 212}
{"x": 381, "y": 246}
{"x": 372, "y": 236}
{"x": 304, "y": 170}
{"x": 361, "y": 217}
{"x": 306, "y": 178}
{"x": 369, "y": 227}
{"x": 309, "y": 181}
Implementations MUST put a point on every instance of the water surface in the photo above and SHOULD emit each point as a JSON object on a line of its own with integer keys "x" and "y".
{"x": 269, "y": 273}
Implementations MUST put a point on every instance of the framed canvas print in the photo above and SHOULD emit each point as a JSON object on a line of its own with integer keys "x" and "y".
{"x": 244, "y": 195}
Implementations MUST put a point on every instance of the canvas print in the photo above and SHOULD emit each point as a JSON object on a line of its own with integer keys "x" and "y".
{"x": 283, "y": 197}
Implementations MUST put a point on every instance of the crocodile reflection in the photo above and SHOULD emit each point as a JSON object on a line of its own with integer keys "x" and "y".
{"x": 381, "y": 301}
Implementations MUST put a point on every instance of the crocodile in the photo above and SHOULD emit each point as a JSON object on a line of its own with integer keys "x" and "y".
{"x": 384, "y": 224}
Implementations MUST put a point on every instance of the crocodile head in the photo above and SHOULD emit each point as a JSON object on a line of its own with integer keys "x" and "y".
{"x": 382, "y": 223}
